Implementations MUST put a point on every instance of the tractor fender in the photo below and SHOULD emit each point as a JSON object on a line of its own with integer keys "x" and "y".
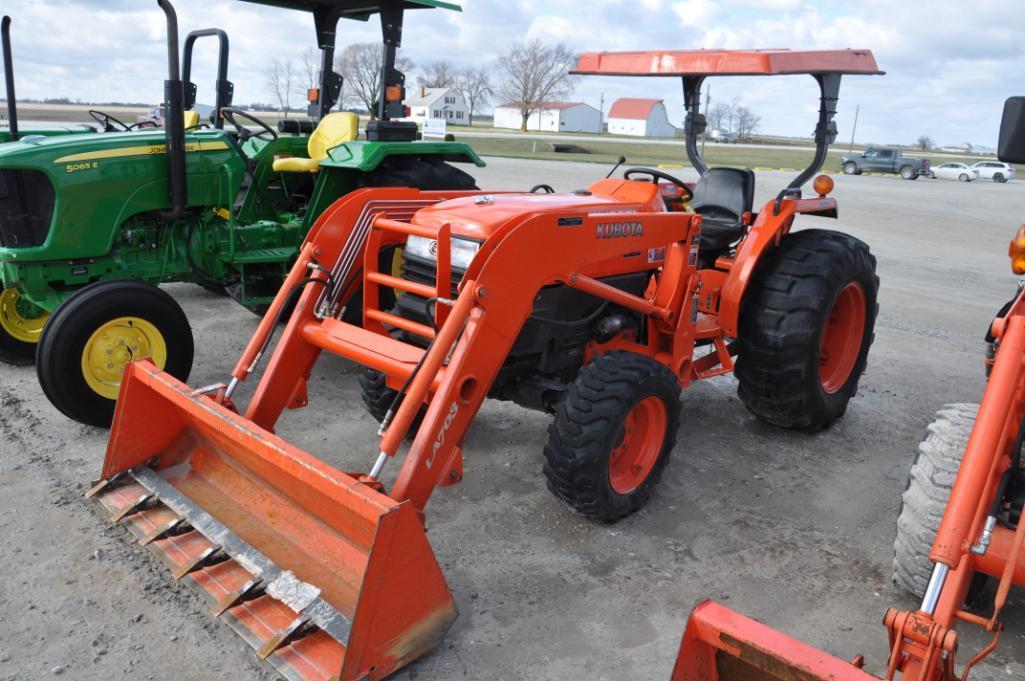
{"x": 365, "y": 156}
{"x": 773, "y": 223}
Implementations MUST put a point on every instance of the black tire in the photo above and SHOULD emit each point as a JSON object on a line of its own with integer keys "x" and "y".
{"x": 783, "y": 320}
{"x": 373, "y": 388}
{"x": 908, "y": 173}
{"x": 590, "y": 425}
{"x": 925, "y": 498}
{"x": 851, "y": 168}
{"x": 425, "y": 174}
{"x": 66, "y": 335}
{"x": 999, "y": 177}
{"x": 14, "y": 350}
{"x": 963, "y": 177}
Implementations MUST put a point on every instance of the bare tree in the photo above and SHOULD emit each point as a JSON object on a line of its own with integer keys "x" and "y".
{"x": 441, "y": 73}
{"x": 925, "y": 143}
{"x": 474, "y": 84}
{"x": 310, "y": 68}
{"x": 718, "y": 115}
{"x": 360, "y": 65}
{"x": 282, "y": 80}
{"x": 533, "y": 73}
{"x": 747, "y": 122}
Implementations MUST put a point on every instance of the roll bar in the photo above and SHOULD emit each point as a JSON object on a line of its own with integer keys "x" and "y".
{"x": 12, "y": 101}
{"x": 225, "y": 89}
{"x": 174, "y": 121}
{"x": 826, "y": 66}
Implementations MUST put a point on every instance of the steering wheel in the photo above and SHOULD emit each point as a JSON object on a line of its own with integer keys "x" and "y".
{"x": 546, "y": 188}
{"x": 109, "y": 123}
{"x": 659, "y": 175}
{"x": 267, "y": 133}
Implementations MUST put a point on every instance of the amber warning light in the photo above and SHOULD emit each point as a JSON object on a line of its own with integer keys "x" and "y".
{"x": 1017, "y": 251}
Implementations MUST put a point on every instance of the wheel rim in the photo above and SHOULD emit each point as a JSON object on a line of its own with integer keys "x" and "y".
{"x": 841, "y": 338}
{"x": 21, "y": 319}
{"x": 640, "y": 443}
{"x": 113, "y": 345}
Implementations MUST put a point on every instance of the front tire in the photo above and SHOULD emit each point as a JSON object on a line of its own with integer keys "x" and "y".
{"x": 806, "y": 325}
{"x": 612, "y": 435}
{"x": 94, "y": 334}
{"x": 850, "y": 168}
{"x": 925, "y": 498}
{"x": 21, "y": 324}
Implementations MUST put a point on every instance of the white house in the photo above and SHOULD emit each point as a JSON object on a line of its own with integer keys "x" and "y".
{"x": 640, "y": 118}
{"x": 551, "y": 117}
{"x": 437, "y": 102}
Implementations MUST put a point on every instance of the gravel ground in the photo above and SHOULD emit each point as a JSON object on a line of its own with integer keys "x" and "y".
{"x": 794, "y": 530}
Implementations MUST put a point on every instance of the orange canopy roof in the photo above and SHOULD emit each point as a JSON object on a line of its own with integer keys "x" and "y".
{"x": 727, "y": 63}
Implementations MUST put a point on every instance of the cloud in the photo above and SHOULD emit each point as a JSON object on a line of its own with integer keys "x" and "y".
{"x": 949, "y": 65}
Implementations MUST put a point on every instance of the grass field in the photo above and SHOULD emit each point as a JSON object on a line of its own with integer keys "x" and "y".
{"x": 658, "y": 154}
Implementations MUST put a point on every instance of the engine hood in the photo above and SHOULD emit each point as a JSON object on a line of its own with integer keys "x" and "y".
{"x": 479, "y": 217}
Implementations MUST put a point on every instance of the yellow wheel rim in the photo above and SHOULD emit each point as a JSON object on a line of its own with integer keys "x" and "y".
{"x": 114, "y": 345}
{"x": 19, "y": 318}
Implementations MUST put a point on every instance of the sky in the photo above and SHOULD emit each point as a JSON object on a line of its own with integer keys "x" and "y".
{"x": 949, "y": 63}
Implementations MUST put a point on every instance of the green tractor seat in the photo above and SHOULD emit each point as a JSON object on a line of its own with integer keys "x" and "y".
{"x": 333, "y": 129}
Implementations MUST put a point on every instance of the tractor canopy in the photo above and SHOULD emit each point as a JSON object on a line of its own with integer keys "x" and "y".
{"x": 727, "y": 63}
{"x": 355, "y": 9}
{"x": 693, "y": 66}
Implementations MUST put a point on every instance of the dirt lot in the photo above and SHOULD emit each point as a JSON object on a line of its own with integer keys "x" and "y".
{"x": 791, "y": 529}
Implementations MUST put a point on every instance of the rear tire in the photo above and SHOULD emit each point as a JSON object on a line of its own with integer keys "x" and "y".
{"x": 122, "y": 320}
{"x": 21, "y": 324}
{"x": 612, "y": 435}
{"x": 999, "y": 177}
{"x": 963, "y": 177}
{"x": 806, "y": 325}
{"x": 908, "y": 173}
{"x": 424, "y": 174}
{"x": 925, "y": 498}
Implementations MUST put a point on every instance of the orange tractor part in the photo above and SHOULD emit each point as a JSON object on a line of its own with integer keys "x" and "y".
{"x": 597, "y": 306}
{"x": 981, "y": 534}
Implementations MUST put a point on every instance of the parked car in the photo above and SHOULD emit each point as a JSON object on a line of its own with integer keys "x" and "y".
{"x": 995, "y": 170}
{"x": 880, "y": 160}
{"x": 723, "y": 137}
{"x": 955, "y": 171}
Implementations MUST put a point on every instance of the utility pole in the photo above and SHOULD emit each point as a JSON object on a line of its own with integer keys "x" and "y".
{"x": 708, "y": 104}
{"x": 601, "y": 115}
{"x": 857, "y": 110}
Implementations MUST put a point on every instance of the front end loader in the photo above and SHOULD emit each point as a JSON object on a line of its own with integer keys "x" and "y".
{"x": 960, "y": 527}
{"x": 597, "y": 307}
{"x": 99, "y": 221}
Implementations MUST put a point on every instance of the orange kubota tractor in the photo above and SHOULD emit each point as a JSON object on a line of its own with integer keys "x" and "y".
{"x": 597, "y": 306}
{"x": 965, "y": 497}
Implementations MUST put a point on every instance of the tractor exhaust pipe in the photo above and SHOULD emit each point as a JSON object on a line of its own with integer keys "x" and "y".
{"x": 174, "y": 120}
{"x": 12, "y": 103}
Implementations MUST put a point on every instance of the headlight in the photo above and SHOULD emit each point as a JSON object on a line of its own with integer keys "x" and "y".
{"x": 463, "y": 250}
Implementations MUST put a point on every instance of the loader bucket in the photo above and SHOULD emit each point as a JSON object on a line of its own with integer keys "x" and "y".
{"x": 720, "y": 645}
{"x": 325, "y": 577}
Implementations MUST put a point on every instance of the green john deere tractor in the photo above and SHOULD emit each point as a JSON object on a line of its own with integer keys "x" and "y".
{"x": 11, "y": 132}
{"x": 90, "y": 225}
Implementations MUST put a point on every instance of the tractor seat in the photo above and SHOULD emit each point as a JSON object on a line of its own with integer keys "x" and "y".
{"x": 191, "y": 120}
{"x": 333, "y": 129}
{"x": 722, "y": 196}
